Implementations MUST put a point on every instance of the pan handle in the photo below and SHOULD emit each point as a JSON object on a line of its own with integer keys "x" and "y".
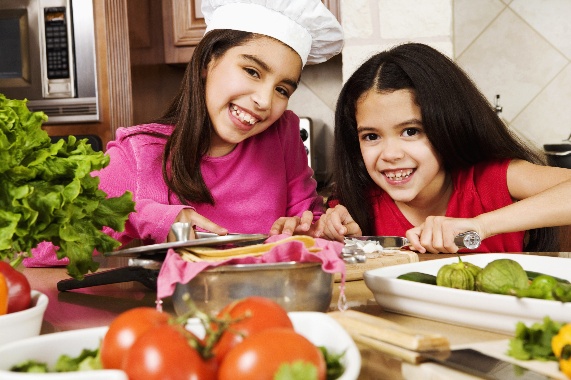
{"x": 147, "y": 277}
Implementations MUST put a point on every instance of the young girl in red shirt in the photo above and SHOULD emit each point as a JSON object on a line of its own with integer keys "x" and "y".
{"x": 421, "y": 153}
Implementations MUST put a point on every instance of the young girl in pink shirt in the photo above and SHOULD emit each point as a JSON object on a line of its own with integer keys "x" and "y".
{"x": 227, "y": 156}
{"x": 420, "y": 152}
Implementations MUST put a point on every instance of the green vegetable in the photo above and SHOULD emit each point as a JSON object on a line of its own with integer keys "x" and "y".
{"x": 531, "y": 275}
{"x": 419, "y": 277}
{"x": 562, "y": 292}
{"x": 541, "y": 287}
{"x": 30, "y": 366}
{"x": 459, "y": 275}
{"x": 88, "y": 360}
{"x": 534, "y": 342}
{"x": 48, "y": 194}
{"x": 502, "y": 276}
{"x": 298, "y": 370}
{"x": 333, "y": 363}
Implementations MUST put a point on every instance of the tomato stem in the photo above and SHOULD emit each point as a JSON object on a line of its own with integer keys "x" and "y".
{"x": 213, "y": 327}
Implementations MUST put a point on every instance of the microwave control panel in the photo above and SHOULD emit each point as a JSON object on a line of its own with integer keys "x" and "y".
{"x": 58, "y": 68}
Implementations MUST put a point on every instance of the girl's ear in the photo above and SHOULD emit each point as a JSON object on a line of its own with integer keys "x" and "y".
{"x": 204, "y": 72}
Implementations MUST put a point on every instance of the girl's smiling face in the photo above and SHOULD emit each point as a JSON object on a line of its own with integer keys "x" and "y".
{"x": 397, "y": 153}
{"x": 248, "y": 89}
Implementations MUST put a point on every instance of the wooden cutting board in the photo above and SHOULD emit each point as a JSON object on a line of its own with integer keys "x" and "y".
{"x": 375, "y": 260}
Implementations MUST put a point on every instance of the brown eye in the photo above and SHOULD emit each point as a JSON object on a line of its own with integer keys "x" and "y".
{"x": 283, "y": 91}
{"x": 252, "y": 72}
{"x": 409, "y": 132}
{"x": 370, "y": 137}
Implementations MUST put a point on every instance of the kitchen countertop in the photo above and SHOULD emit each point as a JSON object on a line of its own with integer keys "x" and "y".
{"x": 98, "y": 306}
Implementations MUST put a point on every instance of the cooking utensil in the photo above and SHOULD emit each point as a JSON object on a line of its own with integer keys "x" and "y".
{"x": 295, "y": 286}
{"x": 469, "y": 239}
{"x": 145, "y": 262}
{"x": 352, "y": 253}
{"x": 558, "y": 154}
{"x": 202, "y": 240}
{"x": 416, "y": 347}
{"x": 145, "y": 276}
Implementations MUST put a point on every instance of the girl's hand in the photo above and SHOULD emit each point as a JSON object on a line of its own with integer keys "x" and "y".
{"x": 336, "y": 224}
{"x": 437, "y": 233}
{"x": 290, "y": 225}
{"x": 189, "y": 215}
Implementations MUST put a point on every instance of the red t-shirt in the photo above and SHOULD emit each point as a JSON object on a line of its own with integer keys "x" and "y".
{"x": 479, "y": 189}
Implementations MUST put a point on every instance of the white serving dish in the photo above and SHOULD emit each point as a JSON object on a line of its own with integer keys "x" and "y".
{"x": 319, "y": 328}
{"x": 26, "y": 323}
{"x": 490, "y": 312}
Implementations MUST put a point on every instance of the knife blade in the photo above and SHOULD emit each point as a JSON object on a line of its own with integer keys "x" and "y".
{"x": 416, "y": 347}
{"x": 479, "y": 364}
{"x": 203, "y": 240}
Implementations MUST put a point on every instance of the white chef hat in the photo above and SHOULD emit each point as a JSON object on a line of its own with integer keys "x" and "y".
{"x": 306, "y": 26}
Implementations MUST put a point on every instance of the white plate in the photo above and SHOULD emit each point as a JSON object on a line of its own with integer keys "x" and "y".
{"x": 490, "y": 312}
{"x": 319, "y": 328}
{"x": 26, "y": 323}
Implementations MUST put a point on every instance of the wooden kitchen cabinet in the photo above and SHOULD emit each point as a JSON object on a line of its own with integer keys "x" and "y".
{"x": 184, "y": 27}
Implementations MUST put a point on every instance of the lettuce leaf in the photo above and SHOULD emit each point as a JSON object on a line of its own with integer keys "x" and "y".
{"x": 47, "y": 192}
{"x": 534, "y": 342}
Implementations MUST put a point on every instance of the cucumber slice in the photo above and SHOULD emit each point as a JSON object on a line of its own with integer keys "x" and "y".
{"x": 418, "y": 277}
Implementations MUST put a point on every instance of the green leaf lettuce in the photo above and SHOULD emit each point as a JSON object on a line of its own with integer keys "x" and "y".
{"x": 48, "y": 194}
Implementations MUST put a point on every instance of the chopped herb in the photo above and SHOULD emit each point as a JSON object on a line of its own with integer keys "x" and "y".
{"x": 534, "y": 342}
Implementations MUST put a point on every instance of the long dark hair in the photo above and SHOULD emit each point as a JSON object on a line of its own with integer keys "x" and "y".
{"x": 458, "y": 120}
{"x": 190, "y": 139}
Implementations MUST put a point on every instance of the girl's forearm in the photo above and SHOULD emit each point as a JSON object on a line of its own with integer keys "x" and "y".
{"x": 549, "y": 208}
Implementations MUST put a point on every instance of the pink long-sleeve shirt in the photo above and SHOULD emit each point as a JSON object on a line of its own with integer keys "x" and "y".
{"x": 264, "y": 178}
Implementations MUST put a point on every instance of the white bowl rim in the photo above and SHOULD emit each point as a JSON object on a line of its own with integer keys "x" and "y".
{"x": 39, "y": 306}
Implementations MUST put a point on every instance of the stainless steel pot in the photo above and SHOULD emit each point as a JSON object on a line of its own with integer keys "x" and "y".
{"x": 295, "y": 286}
{"x": 558, "y": 154}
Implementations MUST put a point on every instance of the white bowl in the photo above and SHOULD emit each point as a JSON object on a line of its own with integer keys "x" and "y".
{"x": 26, "y": 323}
{"x": 319, "y": 328}
{"x": 48, "y": 348}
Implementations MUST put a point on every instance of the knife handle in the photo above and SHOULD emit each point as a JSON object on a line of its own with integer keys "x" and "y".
{"x": 408, "y": 356}
{"x": 468, "y": 239}
{"x": 383, "y": 330}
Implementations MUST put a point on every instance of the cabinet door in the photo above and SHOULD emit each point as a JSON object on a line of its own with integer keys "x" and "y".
{"x": 184, "y": 26}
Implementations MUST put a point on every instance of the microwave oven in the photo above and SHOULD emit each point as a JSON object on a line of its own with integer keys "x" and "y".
{"x": 47, "y": 55}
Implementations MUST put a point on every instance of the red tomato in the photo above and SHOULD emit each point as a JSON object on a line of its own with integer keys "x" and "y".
{"x": 3, "y": 295}
{"x": 19, "y": 290}
{"x": 261, "y": 355}
{"x": 164, "y": 353}
{"x": 124, "y": 331}
{"x": 257, "y": 313}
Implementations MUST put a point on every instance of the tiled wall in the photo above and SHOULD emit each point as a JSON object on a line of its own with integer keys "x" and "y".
{"x": 519, "y": 49}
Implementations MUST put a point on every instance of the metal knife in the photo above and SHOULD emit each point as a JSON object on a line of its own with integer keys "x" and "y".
{"x": 469, "y": 239}
{"x": 479, "y": 364}
{"x": 203, "y": 240}
{"x": 416, "y": 347}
